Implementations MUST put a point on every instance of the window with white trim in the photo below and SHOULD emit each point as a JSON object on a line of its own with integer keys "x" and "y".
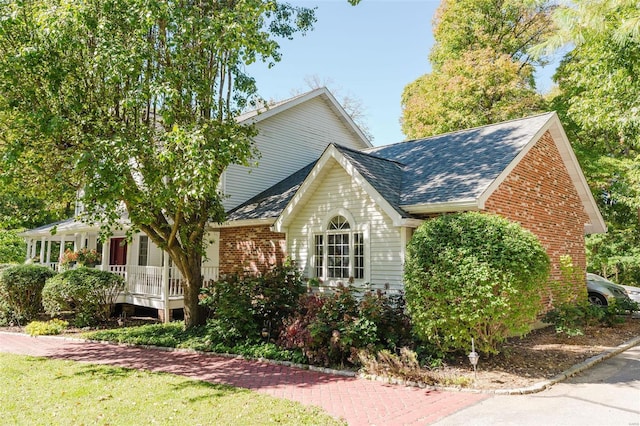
{"x": 339, "y": 251}
{"x": 143, "y": 251}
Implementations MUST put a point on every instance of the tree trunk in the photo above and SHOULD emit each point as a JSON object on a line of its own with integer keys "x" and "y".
{"x": 194, "y": 314}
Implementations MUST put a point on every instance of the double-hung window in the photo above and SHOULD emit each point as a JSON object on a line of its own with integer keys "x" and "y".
{"x": 143, "y": 250}
{"x": 339, "y": 251}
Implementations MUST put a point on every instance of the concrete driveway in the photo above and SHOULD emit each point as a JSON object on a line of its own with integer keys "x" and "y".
{"x": 607, "y": 394}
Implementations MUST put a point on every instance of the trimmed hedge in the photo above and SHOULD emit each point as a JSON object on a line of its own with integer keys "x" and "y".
{"x": 89, "y": 294}
{"x": 473, "y": 275}
{"x": 21, "y": 291}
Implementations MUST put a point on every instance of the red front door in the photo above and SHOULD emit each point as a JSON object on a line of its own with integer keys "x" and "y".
{"x": 118, "y": 251}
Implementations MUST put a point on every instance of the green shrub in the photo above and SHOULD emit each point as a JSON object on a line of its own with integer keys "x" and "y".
{"x": 571, "y": 319}
{"x": 197, "y": 338}
{"x": 6, "y": 314}
{"x": 12, "y": 247}
{"x": 252, "y": 307}
{"x": 4, "y": 266}
{"x": 41, "y": 328}
{"x": 473, "y": 275}
{"x": 88, "y": 293}
{"x": 21, "y": 290}
{"x": 572, "y": 312}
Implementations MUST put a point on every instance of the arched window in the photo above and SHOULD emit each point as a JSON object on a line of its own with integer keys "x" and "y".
{"x": 339, "y": 251}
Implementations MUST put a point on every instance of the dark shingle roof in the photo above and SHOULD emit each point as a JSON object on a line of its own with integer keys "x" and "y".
{"x": 459, "y": 166}
{"x": 454, "y": 167}
{"x": 271, "y": 202}
{"x": 384, "y": 175}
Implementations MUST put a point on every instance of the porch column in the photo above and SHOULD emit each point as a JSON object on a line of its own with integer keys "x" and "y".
{"x": 165, "y": 287}
{"x": 83, "y": 240}
{"x": 75, "y": 242}
{"x": 43, "y": 241}
{"x": 62, "y": 244}
{"x": 28, "y": 254}
{"x": 34, "y": 249}
{"x": 49, "y": 243}
{"x": 106, "y": 249}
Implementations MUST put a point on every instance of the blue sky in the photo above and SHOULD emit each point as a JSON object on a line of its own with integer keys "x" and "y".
{"x": 369, "y": 52}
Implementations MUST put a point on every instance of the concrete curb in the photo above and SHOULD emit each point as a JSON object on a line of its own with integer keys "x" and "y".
{"x": 537, "y": 387}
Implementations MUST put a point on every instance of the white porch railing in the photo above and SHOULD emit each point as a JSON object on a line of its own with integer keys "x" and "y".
{"x": 147, "y": 280}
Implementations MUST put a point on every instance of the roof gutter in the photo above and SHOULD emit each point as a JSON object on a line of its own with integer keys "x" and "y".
{"x": 455, "y": 206}
{"x": 245, "y": 222}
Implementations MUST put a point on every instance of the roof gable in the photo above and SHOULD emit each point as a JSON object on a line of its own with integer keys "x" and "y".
{"x": 385, "y": 176}
{"x": 261, "y": 114}
{"x": 353, "y": 163}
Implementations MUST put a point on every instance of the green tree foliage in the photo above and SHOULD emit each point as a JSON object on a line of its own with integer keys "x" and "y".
{"x": 20, "y": 210}
{"x": 478, "y": 88}
{"x": 473, "y": 275}
{"x": 598, "y": 75}
{"x": 598, "y": 104}
{"x": 508, "y": 26}
{"x": 482, "y": 71}
{"x": 12, "y": 247}
{"x": 135, "y": 102}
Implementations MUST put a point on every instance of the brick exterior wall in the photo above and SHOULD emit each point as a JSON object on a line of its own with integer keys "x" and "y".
{"x": 250, "y": 249}
{"x": 539, "y": 195}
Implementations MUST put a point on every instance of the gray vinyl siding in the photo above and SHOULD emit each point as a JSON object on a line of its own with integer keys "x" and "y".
{"x": 334, "y": 190}
{"x": 287, "y": 142}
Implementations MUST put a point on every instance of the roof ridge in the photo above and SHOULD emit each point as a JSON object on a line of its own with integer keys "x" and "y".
{"x": 363, "y": 152}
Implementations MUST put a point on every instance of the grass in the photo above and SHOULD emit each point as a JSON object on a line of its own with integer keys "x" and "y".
{"x": 40, "y": 391}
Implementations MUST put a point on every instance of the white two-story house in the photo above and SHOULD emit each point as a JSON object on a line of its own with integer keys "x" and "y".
{"x": 291, "y": 135}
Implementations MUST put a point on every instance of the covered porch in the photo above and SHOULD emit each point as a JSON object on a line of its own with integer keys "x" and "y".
{"x": 151, "y": 280}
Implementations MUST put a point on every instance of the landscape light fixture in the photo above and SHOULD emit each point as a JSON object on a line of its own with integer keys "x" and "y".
{"x": 473, "y": 357}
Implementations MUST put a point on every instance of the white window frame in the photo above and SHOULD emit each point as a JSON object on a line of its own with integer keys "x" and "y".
{"x": 140, "y": 248}
{"x": 323, "y": 231}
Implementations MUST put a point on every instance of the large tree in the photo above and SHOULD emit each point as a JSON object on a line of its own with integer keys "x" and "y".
{"x": 35, "y": 190}
{"x": 478, "y": 88}
{"x": 597, "y": 99}
{"x": 481, "y": 69}
{"x": 508, "y": 26}
{"x": 598, "y": 76}
{"x": 135, "y": 101}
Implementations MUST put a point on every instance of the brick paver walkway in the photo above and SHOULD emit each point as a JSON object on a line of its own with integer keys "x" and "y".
{"x": 358, "y": 401}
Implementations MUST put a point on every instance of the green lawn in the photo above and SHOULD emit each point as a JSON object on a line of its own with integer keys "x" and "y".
{"x": 39, "y": 391}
